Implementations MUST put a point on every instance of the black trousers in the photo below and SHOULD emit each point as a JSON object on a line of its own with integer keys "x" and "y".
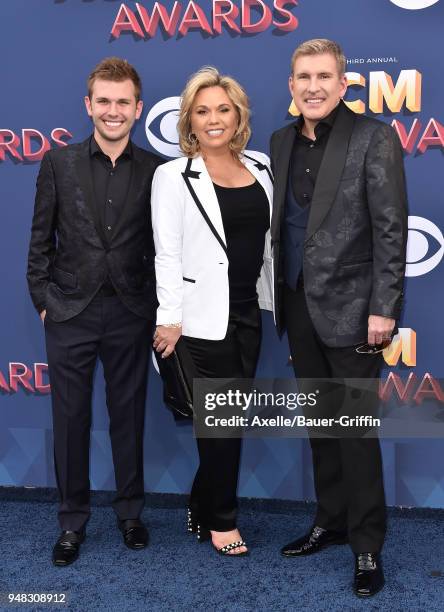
{"x": 347, "y": 471}
{"x": 106, "y": 329}
{"x": 213, "y": 494}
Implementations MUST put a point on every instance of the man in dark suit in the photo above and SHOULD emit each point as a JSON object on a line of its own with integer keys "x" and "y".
{"x": 339, "y": 236}
{"x": 91, "y": 278}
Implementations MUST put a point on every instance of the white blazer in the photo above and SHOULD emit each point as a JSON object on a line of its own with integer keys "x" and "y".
{"x": 191, "y": 259}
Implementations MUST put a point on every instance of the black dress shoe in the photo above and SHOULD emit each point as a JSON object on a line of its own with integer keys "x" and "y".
{"x": 135, "y": 534}
{"x": 67, "y": 547}
{"x": 317, "y": 539}
{"x": 369, "y": 577}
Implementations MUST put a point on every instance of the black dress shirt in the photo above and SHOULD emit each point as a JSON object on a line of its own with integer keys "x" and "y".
{"x": 307, "y": 156}
{"x": 305, "y": 161}
{"x": 111, "y": 184}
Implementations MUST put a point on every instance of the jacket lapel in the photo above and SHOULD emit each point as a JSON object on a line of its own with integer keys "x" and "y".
{"x": 84, "y": 177}
{"x": 262, "y": 173}
{"x": 201, "y": 189}
{"x": 200, "y": 186}
{"x": 331, "y": 169}
{"x": 259, "y": 166}
{"x": 281, "y": 177}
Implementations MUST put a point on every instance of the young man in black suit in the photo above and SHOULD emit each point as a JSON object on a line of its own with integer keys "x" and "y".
{"x": 91, "y": 279}
{"x": 339, "y": 233}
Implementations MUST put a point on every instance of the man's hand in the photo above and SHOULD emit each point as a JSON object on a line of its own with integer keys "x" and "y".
{"x": 43, "y": 315}
{"x": 165, "y": 339}
{"x": 380, "y": 329}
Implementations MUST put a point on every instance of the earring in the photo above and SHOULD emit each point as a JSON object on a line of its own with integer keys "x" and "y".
{"x": 192, "y": 138}
{"x": 238, "y": 136}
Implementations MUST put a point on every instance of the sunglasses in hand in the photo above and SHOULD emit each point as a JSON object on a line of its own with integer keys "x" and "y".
{"x": 372, "y": 349}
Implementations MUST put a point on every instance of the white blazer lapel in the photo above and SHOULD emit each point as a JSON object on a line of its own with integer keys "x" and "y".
{"x": 262, "y": 173}
{"x": 201, "y": 189}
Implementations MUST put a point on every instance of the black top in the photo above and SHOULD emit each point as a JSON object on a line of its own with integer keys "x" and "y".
{"x": 246, "y": 219}
{"x": 307, "y": 156}
{"x": 111, "y": 184}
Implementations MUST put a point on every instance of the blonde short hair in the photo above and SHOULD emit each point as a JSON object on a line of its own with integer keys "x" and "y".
{"x": 318, "y": 46}
{"x": 208, "y": 76}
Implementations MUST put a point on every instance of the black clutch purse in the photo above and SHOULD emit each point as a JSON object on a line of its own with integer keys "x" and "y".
{"x": 177, "y": 372}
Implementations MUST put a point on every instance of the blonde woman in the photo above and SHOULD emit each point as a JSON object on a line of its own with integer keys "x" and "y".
{"x": 211, "y": 213}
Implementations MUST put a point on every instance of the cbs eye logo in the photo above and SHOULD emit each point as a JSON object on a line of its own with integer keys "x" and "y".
{"x": 414, "y": 5}
{"x": 423, "y": 236}
{"x": 162, "y": 119}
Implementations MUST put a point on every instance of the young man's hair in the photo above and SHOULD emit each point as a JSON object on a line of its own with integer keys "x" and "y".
{"x": 319, "y": 46}
{"x": 117, "y": 70}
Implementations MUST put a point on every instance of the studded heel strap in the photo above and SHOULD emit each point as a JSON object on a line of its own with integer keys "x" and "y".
{"x": 226, "y": 549}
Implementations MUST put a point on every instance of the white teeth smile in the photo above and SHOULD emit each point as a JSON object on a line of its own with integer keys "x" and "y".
{"x": 113, "y": 123}
{"x": 215, "y": 132}
{"x": 314, "y": 100}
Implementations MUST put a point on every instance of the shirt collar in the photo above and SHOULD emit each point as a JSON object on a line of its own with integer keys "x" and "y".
{"x": 94, "y": 149}
{"x": 324, "y": 124}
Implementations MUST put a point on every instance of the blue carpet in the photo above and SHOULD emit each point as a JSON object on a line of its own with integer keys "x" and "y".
{"x": 177, "y": 573}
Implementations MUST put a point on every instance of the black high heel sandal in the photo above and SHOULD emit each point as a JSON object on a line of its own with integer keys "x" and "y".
{"x": 204, "y": 534}
{"x": 225, "y": 550}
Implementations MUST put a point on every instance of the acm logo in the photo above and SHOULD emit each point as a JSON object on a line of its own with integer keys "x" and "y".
{"x": 403, "y": 346}
{"x": 411, "y": 389}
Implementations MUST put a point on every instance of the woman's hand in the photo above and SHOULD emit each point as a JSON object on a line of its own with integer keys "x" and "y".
{"x": 165, "y": 339}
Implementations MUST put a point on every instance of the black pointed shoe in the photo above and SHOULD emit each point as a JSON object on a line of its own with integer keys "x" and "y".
{"x": 67, "y": 547}
{"x": 314, "y": 541}
{"x": 369, "y": 577}
{"x": 135, "y": 534}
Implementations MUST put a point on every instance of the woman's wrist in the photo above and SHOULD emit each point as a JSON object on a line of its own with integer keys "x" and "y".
{"x": 171, "y": 325}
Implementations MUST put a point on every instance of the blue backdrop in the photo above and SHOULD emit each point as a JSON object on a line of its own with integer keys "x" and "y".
{"x": 48, "y": 47}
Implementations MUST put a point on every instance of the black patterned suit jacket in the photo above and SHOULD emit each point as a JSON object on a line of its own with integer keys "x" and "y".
{"x": 355, "y": 243}
{"x": 69, "y": 254}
